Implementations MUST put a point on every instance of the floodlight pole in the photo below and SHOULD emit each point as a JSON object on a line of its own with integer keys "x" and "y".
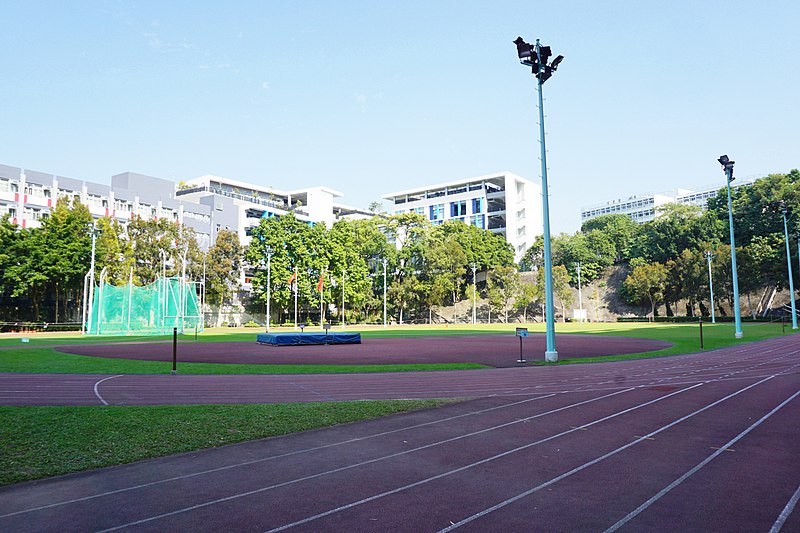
{"x": 384, "y": 291}
{"x": 541, "y": 73}
{"x": 728, "y": 167}
{"x": 709, "y": 256}
{"x": 474, "y": 301}
{"x": 789, "y": 265}
{"x": 268, "y": 251}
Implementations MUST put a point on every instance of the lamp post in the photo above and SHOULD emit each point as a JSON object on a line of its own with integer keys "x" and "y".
{"x": 474, "y": 301}
{"x": 268, "y": 252}
{"x": 344, "y": 275}
{"x": 384, "y": 291}
{"x": 727, "y": 166}
{"x": 537, "y": 56}
{"x": 785, "y": 211}
{"x": 88, "y": 307}
{"x": 580, "y": 295}
{"x": 709, "y": 256}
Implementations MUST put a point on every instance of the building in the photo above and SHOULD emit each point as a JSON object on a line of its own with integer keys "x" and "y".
{"x": 206, "y": 204}
{"x": 644, "y": 208}
{"x": 503, "y": 203}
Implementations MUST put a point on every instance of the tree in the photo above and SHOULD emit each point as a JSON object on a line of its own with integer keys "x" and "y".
{"x": 676, "y": 228}
{"x": 646, "y": 283}
{"x": 619, "y": 229}
{"x": 223, "y": 266}
{"x": 561, "y": 289}
{"x": 526, "y": 297}
{"x": 503, "y": 284}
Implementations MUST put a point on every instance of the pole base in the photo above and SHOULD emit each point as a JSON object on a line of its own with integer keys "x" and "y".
{"x": 521, "y": 361}
{"x": 739, "y": 335}
{"x": 173, "y": 372}
{"x": 551, "y": 357}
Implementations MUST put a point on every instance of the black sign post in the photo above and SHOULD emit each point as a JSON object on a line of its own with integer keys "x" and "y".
{"x": 174, "y": 351}
{"x": 521, "y": 332}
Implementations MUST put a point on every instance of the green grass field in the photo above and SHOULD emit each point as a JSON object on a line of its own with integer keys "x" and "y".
{"x": 48, "y": 441}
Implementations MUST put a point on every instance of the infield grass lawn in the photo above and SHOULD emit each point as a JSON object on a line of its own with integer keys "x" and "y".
{"x": 48, "y": 441}
{"x": 38, "y": 356}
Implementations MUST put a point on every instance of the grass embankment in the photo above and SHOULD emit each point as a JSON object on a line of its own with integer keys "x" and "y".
{"x": 47, "y": 441}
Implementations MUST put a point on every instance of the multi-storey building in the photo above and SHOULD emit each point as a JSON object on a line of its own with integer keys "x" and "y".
{"x": 503, "y": 203}
{"x": 205, "y": 204}
{"x": 644, "y": 208}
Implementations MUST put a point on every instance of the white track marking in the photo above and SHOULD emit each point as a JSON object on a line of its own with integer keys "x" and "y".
{"x": 700, "y": 465}
{"x": 594, "y": 461}
{"x": 279, "y": 456}
{"x": 97, "y": 393}
{"x": 776, "y": 527}
{"x": 378, "y": 459}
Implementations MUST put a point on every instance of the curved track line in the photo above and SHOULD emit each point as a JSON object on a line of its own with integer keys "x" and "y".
{"x": 97, "y": 392}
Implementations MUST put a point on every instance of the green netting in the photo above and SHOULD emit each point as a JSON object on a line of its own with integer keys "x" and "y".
{"x": 153, "y": 309}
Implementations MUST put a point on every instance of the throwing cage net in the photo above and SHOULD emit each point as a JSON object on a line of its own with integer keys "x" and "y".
{"x": 153, "y": 309}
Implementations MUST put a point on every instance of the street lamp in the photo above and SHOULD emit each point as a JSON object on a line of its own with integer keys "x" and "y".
{"x": 268, "y": 252}
{"x": 537, "y": 56}
{"x": 384, "y": 291}
{"x": 580, "y": 295}
{"x": 88, "y": 306}
{"x": 709, "y": 256}
{"x": 727, "y": 166}
{"x": 785, "y": 211}
{"x": 474, "y": 301}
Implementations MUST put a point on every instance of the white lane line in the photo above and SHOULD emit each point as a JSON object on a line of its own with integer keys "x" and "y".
{"x": 594, "y": 461}
{"x": 376, "y": 460}
{"x": 279, "y": 456}
{"x": 776, "y": 527}
{"x": 627, "y": 518}
{"x": 97, "y": 392}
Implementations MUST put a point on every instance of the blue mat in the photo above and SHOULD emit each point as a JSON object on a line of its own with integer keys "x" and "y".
{"x": 304, "y": 339}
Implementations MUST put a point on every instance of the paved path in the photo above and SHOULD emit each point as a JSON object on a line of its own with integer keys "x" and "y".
{"x": 703, "y": 442}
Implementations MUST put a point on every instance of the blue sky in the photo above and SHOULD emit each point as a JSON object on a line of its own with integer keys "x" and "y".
{"x": 374, "y": 97}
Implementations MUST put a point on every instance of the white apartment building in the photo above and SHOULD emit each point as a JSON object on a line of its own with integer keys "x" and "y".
{"x": 644, "y": 208}
{"x": 206, "y": 204}
{"x": 503, "y": 203}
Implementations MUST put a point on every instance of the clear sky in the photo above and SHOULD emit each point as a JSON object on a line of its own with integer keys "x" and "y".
{"x": 371, "y": 97}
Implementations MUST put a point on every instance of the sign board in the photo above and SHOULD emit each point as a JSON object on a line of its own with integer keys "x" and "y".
{"x": 522, "y": 332}
{"x": 326, "y": 326}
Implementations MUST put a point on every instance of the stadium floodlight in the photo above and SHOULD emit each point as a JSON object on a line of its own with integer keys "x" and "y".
{"x": 536, "y": 56}
{"x": 88, "y": 282}
{"x": 786, "y": 213}
{"x": 727, "y": 166}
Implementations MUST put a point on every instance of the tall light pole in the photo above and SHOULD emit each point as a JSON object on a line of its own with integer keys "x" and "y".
{"x": 474, "y": 301}
{"x": 268, "y": 253}
{"x": 344, "y": 275}
{"x": 580, "y": 295}
{"x": 727, "y": 166}
{"x": 537, "y": 56}
{"x": 785, "y": 211}
{"x": 709, "y": 256}
{"x": 88, "y": 308}
{"x": 384, "y": 291}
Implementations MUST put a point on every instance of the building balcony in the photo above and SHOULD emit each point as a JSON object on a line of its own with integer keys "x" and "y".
{"x": 41, "y": 201}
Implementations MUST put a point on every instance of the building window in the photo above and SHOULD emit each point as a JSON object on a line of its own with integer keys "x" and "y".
{"x": 458, "y": 209}
{"x": 478, "y": 221}
{"x": 477, "y": 205}
{"x": 437, "y": 212}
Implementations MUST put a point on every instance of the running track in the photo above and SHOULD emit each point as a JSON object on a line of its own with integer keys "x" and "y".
{"x": 702, "y": 442}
